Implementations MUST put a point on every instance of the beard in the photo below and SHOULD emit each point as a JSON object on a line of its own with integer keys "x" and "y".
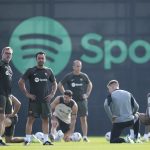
{"x": 40, "y": 64}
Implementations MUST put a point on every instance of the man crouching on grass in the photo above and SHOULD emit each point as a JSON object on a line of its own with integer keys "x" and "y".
{"x": 64, "y": 113}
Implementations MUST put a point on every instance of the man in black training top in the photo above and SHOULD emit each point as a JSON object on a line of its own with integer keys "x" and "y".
{"x": 81, "y": 86}
{"x": 39, "y": 96}
{"x": 5, "y": 86}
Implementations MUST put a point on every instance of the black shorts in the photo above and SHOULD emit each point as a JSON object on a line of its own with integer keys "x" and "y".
{"x": 37, "y": 109}
{"x": 64, "y": 127}
{"x": 82, "y": 108}
{"x": 9, "y": 131}
{"x": 5, "y": 105}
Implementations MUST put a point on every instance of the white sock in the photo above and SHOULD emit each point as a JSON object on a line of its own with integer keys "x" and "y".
{"x": 54, "y": 133}
{"x": 145, "y": 136}
{"x": 28, "y": 137}
{"x": 45, "y": 137}
{"x": 84, "y": 137}
{"x": 131, "y": 133}
{"x": 149, "y": 134}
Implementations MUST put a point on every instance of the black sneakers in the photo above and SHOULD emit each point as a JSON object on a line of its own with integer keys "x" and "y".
{"x": 47, "y": 143}
{"x": 85, "y": 139}
{"x": 2, "y": 143}
{"x": 26, "y": 143}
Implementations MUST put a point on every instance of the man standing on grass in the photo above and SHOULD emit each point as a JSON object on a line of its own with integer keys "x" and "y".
{"x": 81, "y": 86}
{"x": 5, "y": 86}
{"x": 39, "y": 96}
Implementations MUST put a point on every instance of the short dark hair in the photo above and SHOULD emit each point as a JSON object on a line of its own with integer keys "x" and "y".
{"x": 112, "y": 81}
{"x": 68, "y": 93}
{"x": 40, "y": 53}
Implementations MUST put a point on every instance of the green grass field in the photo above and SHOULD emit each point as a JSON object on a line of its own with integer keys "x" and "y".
{"x": 96, "y": 143}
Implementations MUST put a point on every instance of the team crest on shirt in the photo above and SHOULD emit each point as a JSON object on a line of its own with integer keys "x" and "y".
{"x": 8, "y": 73}
{"x": 36, "y": 80}
{"x": 73, "y": 84}
{"x": 81, "y": 79}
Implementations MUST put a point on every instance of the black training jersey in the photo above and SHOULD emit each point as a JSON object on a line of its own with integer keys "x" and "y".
{"x": 9, "y": 106}
{"x": 5, "y": 78}
{"x": 39, "y": 81}
{"x": 77, "y": 84}
{"x": 70, "y": 104}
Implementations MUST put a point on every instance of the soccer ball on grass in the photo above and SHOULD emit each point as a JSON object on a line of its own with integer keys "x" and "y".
{"x": 107, "y": 136}
{"x": 76, "y": 137}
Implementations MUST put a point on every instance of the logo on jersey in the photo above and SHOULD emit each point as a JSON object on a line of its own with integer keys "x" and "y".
{"x": 36, "y": 34}
{"x": 40, "y": 80}
{"x": 76, "y": 84}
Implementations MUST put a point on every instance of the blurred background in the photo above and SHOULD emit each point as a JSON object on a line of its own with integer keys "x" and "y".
{"x": 110, "y": 37}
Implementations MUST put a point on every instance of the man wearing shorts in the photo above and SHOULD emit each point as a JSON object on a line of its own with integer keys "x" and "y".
{"x": 39, "y": 96}
{"x": 5, "y": 85}
{"x": 81, "y": 86}
{"x": 64, "y": 113}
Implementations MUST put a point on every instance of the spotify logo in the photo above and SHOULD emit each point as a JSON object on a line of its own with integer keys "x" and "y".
{"x": 36, "y": 34}
{"x": 46, "y": 34}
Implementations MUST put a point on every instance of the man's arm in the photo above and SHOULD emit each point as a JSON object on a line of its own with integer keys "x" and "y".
{"x": 72, "y": 124}
{"x": 54, "y": 88}
{"x": 107, "y": 109}
{"x": 10, "y": 139}
{"x": 53, "y": 91}
{"x": 16, "y": 105}
{"x": 134, "y": 104}
{"x": 61, "y": 88}
{"x": 73, "y": 118}
{"x": 88, "y": 91}
{"x": 22, "y": 87}
{"x": 54, "y": 104}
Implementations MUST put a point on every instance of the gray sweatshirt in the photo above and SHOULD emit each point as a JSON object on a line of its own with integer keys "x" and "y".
{"x": 121, "y": 105}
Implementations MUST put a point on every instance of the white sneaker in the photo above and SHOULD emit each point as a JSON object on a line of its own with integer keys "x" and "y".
{"x": 85, "y": 139}
{"x": 131, "y": 137}
{"x": 128, "y": 140}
